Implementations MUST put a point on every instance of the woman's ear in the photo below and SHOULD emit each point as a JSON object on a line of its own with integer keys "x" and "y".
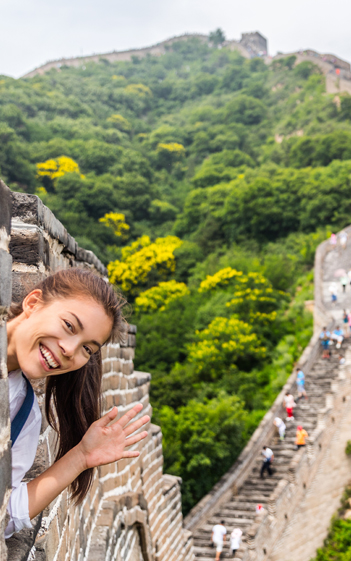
{"x": 31, "y": 302}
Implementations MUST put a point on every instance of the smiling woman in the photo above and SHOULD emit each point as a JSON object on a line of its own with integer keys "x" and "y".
{"x": 56, "y": 333}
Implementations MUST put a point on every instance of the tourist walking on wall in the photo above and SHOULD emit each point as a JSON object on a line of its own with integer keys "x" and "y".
{"x": 343, "y": 239}
{"x": 301, "y": 436}
{"x": 333, "y": 241}
{"x": 218, "y": 538}
{"x": 345, "y": 319}
{"x": 325, "y": 338}
{"x": 235, "y": 540}
{"x": 56, "y": 333}
{"x": 289, "y": 404}
{"x": 281, "y": 426}
{"x": 300, "y": 382}
{"x": 344, "y": 282}
{"x": 338, "y": 336}
{"x": 267, "y": 462}
{"x": 333, "y": 289}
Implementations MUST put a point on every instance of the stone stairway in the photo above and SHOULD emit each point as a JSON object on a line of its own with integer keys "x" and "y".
{"x": 240, "y": 511}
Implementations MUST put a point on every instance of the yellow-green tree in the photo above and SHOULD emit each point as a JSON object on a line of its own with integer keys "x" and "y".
{"x": 117, "y": 222}
{"x": 57, "y": 167}
{"x": 144, "y": 263}
{"x": 158, "y": 297}
{"x": 225, "y": 343}
{"x": 119, "y": 122}
{"x": 139, "y": 90}
{"x": 253, "y": 299}
{"x": 169, "y": 153}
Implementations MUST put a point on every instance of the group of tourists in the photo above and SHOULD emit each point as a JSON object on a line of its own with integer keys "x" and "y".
{"x": 339, "y": 240}
{"x": 219, "y": 533}
{"x": 301, "y": 433}
{"x": 289, "y": 399}
{"x": 300, "y": 441}
{"x": 337, "y": 336}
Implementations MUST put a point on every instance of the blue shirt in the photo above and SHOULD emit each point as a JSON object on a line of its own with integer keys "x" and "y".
{"x": 325, "y": 334}
{"x": 300, "y": 378}
{"x": 338, "y": 332}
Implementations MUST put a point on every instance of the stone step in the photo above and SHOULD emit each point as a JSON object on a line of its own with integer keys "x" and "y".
{"x": 240, "y": 510}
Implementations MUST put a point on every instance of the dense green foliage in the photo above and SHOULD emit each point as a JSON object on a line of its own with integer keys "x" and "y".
{"x": 205, "y": 181}
{"x": 337, "y": 545}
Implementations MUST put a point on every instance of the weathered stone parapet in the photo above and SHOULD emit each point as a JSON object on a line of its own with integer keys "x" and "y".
{"x": 132, "y": 511}
{"x": 289, "y": 492}
{"x": 240, "y": 470}
{"x": 5, "y": 301}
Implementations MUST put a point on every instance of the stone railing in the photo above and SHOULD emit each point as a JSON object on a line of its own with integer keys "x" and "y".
{"x": 289, "y": 493}
{"x": 132, "y": 510}
{"x": 241, "y": 469}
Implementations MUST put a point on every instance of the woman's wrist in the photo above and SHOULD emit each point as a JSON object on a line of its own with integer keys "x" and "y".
{"x": 78, "y": 457}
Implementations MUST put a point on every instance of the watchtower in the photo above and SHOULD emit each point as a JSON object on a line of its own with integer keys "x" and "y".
{"x": 255, "y": 43}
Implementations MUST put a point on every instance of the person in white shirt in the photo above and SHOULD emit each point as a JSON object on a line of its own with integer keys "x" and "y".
{"x": 56, "y": 333}
{"x": 267, "y": 462}
{"x": 235, "y": 540}
{"x": 219, "y": 532}
{"x": 289, "y": 404}
{"x": 281, "y": 426}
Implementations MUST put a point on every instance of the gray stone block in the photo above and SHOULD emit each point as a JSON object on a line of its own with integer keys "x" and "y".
{"x": 5, "y": 472}
{"x": 20, "y": 544}
{"x": 29, "y": 247}
{"x": 5, "y": 278}
{"x": 3, "y": 352}
{"x": 30, "y": 210}
{"x": 4, "y": 399}
{"x": 5, "y": 207}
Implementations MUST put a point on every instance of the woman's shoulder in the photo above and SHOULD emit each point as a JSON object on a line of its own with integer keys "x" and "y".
{"x": 17, "y": 393}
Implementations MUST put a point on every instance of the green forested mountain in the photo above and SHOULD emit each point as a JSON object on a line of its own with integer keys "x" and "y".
{"x": 205, "y": 181}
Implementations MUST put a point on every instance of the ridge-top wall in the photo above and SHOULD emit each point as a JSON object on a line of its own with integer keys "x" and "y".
{"x": 302, "y": 496}
{"x": 133, "y": 510}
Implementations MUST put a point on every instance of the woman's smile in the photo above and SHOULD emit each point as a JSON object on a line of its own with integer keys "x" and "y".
{"x": 47, "y": 358}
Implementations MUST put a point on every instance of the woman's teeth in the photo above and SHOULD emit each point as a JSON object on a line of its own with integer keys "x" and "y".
{"x": 49, "y": 359}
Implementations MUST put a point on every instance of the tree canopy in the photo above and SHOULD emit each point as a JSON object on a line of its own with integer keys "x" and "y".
{"x": 204, "y": 181}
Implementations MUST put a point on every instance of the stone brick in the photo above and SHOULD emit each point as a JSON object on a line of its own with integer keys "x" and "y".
{"x": 5, "y": 207}
{"x": 5, "y": 278}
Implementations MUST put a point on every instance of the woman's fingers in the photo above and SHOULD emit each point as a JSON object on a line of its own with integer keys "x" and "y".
{"x": 136, "y": 425}
{"x": 136, "y": 438}
{"x": 131, "y": 454}
{"x": 127, "y": 417}
{"x": 106, "y": 419}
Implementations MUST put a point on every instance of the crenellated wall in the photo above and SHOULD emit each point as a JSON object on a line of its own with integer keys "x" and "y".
{"x": 5, "y": 300}
{"x": 133, "y": 510}
{"x": 306, "y": 489}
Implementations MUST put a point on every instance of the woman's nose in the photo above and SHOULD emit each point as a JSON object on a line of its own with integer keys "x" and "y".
{"x": 67, "y": 350}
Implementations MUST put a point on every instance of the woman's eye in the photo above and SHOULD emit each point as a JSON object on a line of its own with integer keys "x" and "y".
{"x": 89, "y": 351}
{"x": 69, "y": 325}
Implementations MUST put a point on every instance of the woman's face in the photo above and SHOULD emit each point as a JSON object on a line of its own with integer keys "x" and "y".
{"x": 59, "y": 336}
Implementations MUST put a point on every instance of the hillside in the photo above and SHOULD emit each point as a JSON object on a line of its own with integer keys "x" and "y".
{"x": 205, "y": 180}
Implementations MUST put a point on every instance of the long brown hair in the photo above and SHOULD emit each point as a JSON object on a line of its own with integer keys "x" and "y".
{"x": 73, "y": 399}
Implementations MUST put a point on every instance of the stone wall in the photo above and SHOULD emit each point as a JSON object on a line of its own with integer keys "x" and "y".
{"x": 300, "y": 507}
{"x": 155, "y": 50}
{"x": 5, "y": 300}
{"x": 133, "y": 510}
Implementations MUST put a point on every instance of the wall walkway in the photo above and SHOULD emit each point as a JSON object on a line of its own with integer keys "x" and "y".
{"x": 304, "y": 491}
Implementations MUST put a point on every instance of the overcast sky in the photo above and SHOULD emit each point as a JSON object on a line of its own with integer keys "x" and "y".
{"x": 33, "y": 32}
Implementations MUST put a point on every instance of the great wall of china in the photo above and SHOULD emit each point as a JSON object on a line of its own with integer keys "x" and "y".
{"x": 133, "y": 512}
{"x": 250, "y": 45}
